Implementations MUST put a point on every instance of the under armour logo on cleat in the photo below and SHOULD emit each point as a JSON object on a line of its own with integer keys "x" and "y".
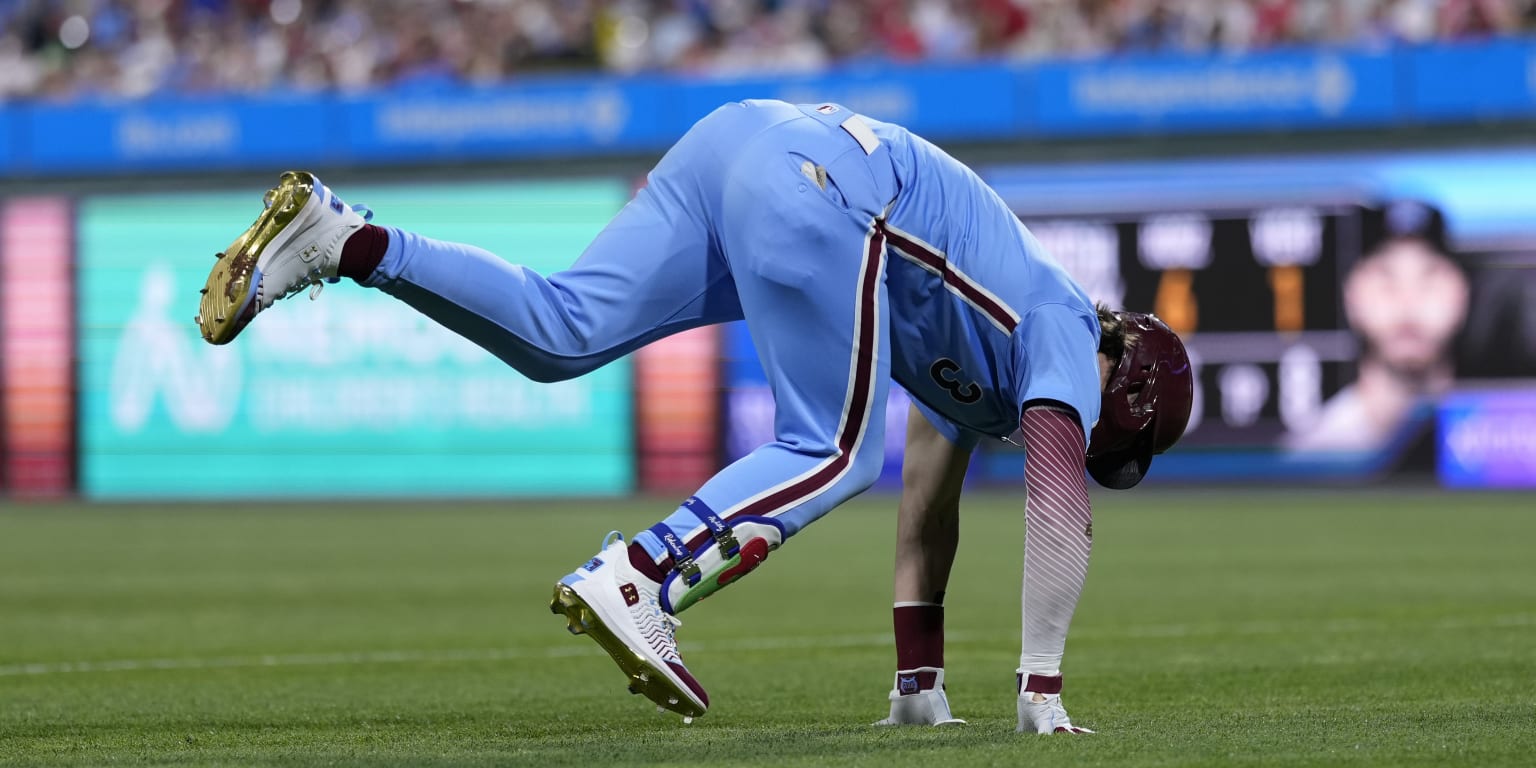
{"x": 631, "y": 595}
{"x": 308, "y": 254}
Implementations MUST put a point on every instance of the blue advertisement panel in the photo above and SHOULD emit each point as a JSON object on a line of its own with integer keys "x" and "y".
{"x": 1490, "y": 79}
{"x": 1488, "y": 439}
{"x": 547, "y": 116}
{"x": 9, "y": 121}
{"x": 975, "y": 101}
{"x": 575, "y": 114}
{"x": 1195, "y": 94}
{"x": 167, "y": 135}
{"x": 353, "y": 394}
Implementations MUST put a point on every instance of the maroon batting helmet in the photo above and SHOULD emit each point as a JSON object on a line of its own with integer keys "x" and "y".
{"x": 1146, "y": 403}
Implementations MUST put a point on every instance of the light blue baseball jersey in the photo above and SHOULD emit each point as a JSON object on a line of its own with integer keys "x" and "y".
{"x": 983, "y": 320}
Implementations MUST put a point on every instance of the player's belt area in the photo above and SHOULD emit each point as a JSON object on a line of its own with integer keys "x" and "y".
{"x": 860, "y": 131}
{"x": 852, "y": 124}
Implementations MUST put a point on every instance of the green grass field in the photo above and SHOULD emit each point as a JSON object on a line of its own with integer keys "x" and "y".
{"x": 1314, "y": 628}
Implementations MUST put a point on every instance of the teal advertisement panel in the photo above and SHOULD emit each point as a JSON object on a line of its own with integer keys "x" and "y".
{"x": 350, "y": 395}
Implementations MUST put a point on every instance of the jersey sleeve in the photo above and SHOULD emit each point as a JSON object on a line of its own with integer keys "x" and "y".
{"x": 1059, "y": 347}
{"x": 954, "y": 433}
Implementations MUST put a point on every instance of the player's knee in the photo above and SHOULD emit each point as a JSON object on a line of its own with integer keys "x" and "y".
{"x": 552, "y": 371}
{"x": 547, "y": 375}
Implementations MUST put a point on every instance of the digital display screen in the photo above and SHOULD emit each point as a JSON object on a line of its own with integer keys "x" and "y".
{"x": 36, "y": 347}
{"x": 354, "y": 394}
{"x": 1253, "y": 293}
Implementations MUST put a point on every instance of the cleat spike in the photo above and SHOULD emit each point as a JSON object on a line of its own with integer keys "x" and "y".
{"x": 672, "y": 700}
{"x": 218, "y": 255}
{"x": 219, "y": 319}
{"x": 633, "y": 689}
{"x": 660, "y": 710}
{"x": 203, "y": 292}
{"x": 687, "y": 720}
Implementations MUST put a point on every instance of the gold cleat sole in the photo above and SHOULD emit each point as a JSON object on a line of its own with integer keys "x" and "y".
{"x": 644, "y": 678}
{"x": 221, "y": 313}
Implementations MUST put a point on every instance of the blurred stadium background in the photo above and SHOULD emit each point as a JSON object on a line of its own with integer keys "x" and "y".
{"x": 1253, "y": 170}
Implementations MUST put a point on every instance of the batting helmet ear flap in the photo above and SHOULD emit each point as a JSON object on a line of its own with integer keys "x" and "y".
{"x": 1122, "y": 469}
{"x": 1145, "y": 406}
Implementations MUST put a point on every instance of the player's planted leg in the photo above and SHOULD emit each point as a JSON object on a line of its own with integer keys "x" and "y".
{"x": 619, "y": 608}
{"x": 294, "y": 244}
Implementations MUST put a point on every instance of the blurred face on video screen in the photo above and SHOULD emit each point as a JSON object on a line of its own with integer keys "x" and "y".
{"x": 1407, "y": 301}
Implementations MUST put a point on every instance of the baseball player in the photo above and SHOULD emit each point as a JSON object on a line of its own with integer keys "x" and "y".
{"x": 857, "y": 253}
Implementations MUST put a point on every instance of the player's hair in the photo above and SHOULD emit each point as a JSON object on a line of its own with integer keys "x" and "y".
{"x": 1114, "y": 338}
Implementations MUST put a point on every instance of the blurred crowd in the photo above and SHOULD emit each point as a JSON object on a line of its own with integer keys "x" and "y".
{"x": 67, "y": 49}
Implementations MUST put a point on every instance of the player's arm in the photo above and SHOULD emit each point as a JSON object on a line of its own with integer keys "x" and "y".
{"x": 927, "y": 533}
{"x": 928, "y": 519}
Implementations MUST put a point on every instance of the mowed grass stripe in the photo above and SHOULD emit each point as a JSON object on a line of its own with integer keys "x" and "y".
{"x": 1173, "y": 631}
{"x": 1274, "y": 629}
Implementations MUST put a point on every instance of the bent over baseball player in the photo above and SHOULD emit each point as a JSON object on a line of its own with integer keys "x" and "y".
{"x": 857, "y": 253}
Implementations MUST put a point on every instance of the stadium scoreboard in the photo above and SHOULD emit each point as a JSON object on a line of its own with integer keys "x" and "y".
{"x": 1254, "y": 292}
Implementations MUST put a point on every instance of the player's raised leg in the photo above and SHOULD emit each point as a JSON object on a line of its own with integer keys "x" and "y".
{"x": 651, "y": 272}
{"x": 654, "y": 270}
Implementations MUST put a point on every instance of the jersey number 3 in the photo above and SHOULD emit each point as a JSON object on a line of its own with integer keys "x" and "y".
{"x": 945, "y": 373}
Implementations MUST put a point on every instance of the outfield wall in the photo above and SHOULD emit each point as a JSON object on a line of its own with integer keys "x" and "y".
{"x": 108, "y": 391}
{"x": 1305, "y": 89}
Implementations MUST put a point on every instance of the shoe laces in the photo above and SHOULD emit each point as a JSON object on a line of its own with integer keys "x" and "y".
{"x": 669, "y": 623}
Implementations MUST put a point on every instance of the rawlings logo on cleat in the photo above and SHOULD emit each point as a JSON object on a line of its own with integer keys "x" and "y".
{"x": 906, "y": 685}
{"x": 753, "y": 553}
{"x": 675, "y": 546}
{"x": 593, "y": 564}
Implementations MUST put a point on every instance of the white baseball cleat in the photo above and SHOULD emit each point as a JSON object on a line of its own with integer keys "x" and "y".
{"x": 910, "y": 706}
{"x": 295, "y": 243}
{"x": 621, "y": 609}
{"x": 1041, "y": 711}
